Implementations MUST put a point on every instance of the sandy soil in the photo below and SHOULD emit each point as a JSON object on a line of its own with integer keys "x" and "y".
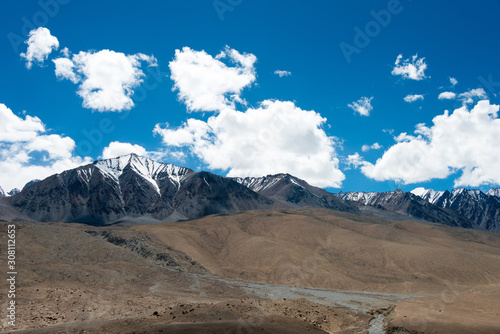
{"x": 452, "y": 312}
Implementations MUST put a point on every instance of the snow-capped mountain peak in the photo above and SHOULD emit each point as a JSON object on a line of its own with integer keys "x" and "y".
{"x": 259, "y": 184}
{"x": 430, "y": 195}
{"x": 149, "y": 169}
{"x": 13, "y": 192}
{"x": 356, "y": 196}
{"x": 420, "y": 191}
{"x": 288, "y": 189}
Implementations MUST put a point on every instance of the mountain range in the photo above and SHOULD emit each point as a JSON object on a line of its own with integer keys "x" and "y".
{"x": 139, "y": 190}
{"x": 467, "y": 208}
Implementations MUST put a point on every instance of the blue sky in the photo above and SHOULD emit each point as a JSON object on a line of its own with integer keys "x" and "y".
{"x": 320, "y": 137}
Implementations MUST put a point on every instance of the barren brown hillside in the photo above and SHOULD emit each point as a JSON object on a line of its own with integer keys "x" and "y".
{"x": 329, "y": 249}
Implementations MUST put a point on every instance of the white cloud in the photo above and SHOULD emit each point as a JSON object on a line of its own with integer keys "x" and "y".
{"x": 453, "y": 81}
{"x": 464, "y": 141}
{"x": 277, "y": 137}
{"x": 282, "y": 73}
{"x": 468, "y": 97}
{"x": 40, "y": 45}
{"x": 205, "y": 83}
{"x": 116, "y": 149}
{"x": 410, "y": 69}
{"x": 65, "y": 52}
{"x": 362, "y": 106}
{"x": 413, "y": 98}
{"x": 20, "y": 140}
{"x": 375, "y": 146}
{"x": 15, "y": 129}
{"x": 65, "y": 70}
{"x": 107, "y": 78}
{"x": 355, "y": 160}
{"x": 447, "y": 96}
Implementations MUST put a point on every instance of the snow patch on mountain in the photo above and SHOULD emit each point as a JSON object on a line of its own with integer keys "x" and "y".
{"x": 259, "y": 184}
{"x": 494, "y": 192}
{"x": 85, "y": 174}
{"x": 420, "y": 191}
{"x": 361, "y": 197}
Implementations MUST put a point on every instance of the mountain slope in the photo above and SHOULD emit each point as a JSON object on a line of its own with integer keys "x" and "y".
{"x": 335, "y": 250}
{"x": 294, "y": 192}
{"x": 8, "y": 213}
{"x": 133, "y": 187}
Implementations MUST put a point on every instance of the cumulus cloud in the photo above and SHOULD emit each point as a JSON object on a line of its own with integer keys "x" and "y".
{"x": 413, "y": 98}
{"x": 65, "y": 69}
{"x": 116, "y": 149}
{"x": 15, "y": 129}
{"x": 355, "y": 160}
{"x": 453, "y": 81}
{"x": 362, "y": 106}
{"x": 463, "y": 142}
{"x": 410, "y": 69}
{"x": 282, "y": 73}
{"x": 40, "y": 45}
{"x": 447, "y": 96}
{"x": 375, "y": 146}
{"x": 468, "y": 97}
{"x": 277, "y": 137}
{"x": 27, "y": 152}
{"x": 107, "y": 78}
{"x": 205, "y": 83}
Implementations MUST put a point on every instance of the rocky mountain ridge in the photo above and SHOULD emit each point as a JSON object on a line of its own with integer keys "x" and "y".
{"x": 467, "y": 208}
{"x": 133, "y": 188}
{"x": 294, "y": 192}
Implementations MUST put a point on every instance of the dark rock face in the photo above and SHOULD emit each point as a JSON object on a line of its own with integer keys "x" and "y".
{"x": 132, "y": 186}
{"x": 291, "y": 191}
{"x": 206, "y": 193}
{"x": 29, "y": 184}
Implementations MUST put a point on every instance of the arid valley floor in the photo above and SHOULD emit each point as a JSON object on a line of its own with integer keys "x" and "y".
{"x": 289, "y": 271}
